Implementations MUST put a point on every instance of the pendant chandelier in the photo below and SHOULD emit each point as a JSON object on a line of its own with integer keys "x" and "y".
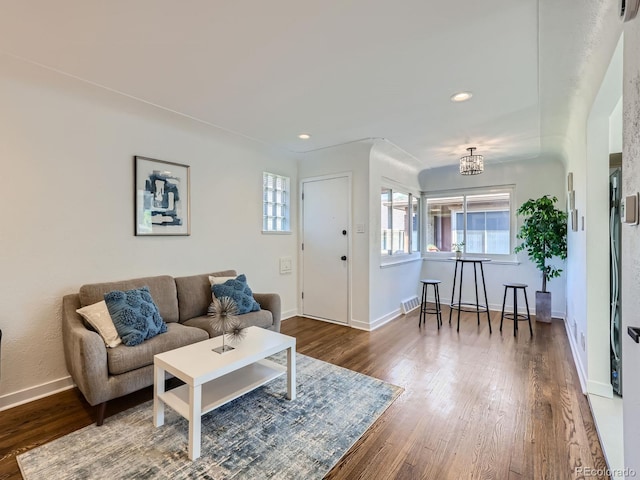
{"x": 471, "y": 164}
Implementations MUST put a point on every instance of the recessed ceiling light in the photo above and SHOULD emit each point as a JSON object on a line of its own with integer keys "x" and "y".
{"x": 461, "y": 96}
{"x": 304, "y": 136}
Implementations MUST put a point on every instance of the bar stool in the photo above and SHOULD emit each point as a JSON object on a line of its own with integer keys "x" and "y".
{"x": 515, "y": 316}
{"x": 424, "y": 309}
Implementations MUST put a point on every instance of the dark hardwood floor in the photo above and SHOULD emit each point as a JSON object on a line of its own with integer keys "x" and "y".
{"x": 474, "y": 405}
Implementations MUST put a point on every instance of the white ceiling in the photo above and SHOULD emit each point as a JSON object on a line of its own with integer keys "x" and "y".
{"x": 341, "y": 70}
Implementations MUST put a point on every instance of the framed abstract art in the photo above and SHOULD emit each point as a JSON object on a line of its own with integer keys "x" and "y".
{"x": 162, "y": 197}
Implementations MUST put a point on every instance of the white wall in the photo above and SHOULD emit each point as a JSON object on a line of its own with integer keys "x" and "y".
{"x": 615, "y": 122}
{"x": 631, "y": 247}
{"x": 67, "y": 156}
{"x": 354, "y": 158}
{"x": 532, "y": 179}
{"x": 392, "y": 283}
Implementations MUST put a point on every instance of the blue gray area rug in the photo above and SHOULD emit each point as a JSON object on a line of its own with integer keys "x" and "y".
{"x": 257, "y": 436}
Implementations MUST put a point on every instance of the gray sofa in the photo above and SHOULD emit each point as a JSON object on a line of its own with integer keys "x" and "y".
{"x": 103, "y": 373}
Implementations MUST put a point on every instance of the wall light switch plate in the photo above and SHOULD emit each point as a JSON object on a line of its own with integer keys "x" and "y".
{"x": 629, "y": 210}
{"x": 286, "y": 265}
{"x": 360, "y": 228}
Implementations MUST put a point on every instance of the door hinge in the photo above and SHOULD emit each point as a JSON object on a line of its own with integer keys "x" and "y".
{"x": 303, "y": 246}
{"x": 303, "y": 295}
{"x": 302, "y": 195}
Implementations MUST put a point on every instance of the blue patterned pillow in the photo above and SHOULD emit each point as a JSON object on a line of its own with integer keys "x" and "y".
{"x": 237, "y": 289}
{"x": 135, "y": 315}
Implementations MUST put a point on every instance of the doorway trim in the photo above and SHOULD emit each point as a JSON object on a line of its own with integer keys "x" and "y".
{"x": 331, "y": 176}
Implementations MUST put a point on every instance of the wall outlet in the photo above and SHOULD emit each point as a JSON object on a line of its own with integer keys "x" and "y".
{"x": 583, "y": 341}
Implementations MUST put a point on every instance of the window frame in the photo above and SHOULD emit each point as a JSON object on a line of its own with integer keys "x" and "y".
{"x": 286, "y": 204}
{"x": 510, "y": 257}
{"x": 413, "y": 252}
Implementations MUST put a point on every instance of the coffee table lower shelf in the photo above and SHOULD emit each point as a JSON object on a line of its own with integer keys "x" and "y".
{"x": 226, "y": 388}
{"x": 212, "y": 379}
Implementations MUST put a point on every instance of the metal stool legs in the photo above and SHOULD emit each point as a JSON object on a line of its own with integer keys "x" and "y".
{"x": 424, "y": 309}
{"x": 515, "y": 316}
{"x": 476, "y": 307}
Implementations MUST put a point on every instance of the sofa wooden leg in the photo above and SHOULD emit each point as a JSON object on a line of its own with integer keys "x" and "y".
{"x": 100, "y": 410}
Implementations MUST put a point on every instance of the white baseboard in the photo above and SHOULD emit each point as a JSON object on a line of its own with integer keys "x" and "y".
{"x": 370, "y": 326}
{"x": 601, "y": 389}
{"x": 289, "y": 314}
{"x": 377, "y": 323}
{"x": 558, "y": 314}
{"x": 30, "y": 394}
{"x": 360, "y": 325}
{"x": 576, "y": 359}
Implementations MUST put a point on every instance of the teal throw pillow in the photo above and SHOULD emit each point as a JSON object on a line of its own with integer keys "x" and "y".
{"x": 239, "y": 291}
{"x": 135, "y": 315}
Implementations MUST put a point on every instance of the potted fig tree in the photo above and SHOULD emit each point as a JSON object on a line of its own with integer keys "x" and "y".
{"x": 544, "y": 236}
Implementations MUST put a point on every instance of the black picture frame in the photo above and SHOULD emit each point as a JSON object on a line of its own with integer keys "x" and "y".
{"x": 162, "y": 194}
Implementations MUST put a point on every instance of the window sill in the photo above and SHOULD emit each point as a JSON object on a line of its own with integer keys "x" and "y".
{"x": 494, "y": 261}
{"x": 387, "y": 262}
{"x": 277, "y": 232}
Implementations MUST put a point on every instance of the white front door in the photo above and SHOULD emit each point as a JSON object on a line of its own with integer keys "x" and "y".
{"x": 325, "y": 248}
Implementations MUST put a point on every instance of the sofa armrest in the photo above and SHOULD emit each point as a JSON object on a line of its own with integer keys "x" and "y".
{"x": 271, "y": 302}
{"x": 85, "y": 353}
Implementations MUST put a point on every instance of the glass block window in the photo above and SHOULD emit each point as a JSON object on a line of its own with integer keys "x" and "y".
{"x": 275, "y": 203}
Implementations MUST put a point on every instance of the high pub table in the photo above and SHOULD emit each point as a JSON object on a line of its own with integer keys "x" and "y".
{"x": 466, "y": 306}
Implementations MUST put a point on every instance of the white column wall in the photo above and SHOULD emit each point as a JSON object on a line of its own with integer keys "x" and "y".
{"x": 376, "y": 292}
{"x": 390, "y": 284}
{"x": 354, "y": 158}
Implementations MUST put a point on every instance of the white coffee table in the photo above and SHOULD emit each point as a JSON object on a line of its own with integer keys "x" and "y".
{"x": 213, "y": 379}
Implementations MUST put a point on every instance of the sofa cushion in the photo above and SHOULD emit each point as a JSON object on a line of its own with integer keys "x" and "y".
{"x": 122, "y": 359}
{"x": 238, "y": 290}
{"x": 261, "y": 318}
{"x": 97, "y": 316}
{"x": 194, "y": 293}
{"x": 134, "y": 315}
{"x": 162, "y": 289}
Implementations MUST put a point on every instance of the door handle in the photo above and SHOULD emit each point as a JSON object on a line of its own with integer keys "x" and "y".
{"x": 634, "y": 332}
{"x": 343, "y": 257}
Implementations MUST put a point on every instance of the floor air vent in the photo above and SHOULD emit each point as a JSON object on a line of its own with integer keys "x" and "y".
{"x": 410, "y": 304}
